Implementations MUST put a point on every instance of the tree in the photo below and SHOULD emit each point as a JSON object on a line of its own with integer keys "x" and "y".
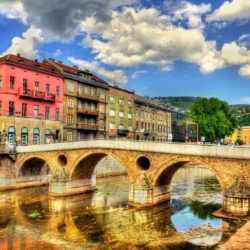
{"x": 215, "y": 118}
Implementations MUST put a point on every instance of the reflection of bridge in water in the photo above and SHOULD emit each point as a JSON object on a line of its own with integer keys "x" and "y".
{"x": 150, "y": 167}
{"x": 74, "y": 219}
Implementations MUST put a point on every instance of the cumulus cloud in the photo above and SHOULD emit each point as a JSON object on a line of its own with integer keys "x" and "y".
{"x": 27, "y": 44}
{"x": 59, "y": 19}
{"x": 190, "y": 12}
{"x": 145, "y": 36}
{"x": 115, "y": 76}
{"x": 231, "y": 11}
{"x": 13, "y": 9}
{"x": 245, "y": 70}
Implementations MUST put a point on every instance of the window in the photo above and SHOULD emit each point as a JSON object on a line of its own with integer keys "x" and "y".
{"x": 36, "y": 136}
{"x": 70, "y": 119}
{"x": 70, "y": 103}
{"x": 70, "y": 86}
{"x": 102, "y": 108}
{"x": 47, "y": 89}
{"x": 36, "y": 86}
{"x": 111, "y": 125}
{"x": 121, "y": 114}
{"x": 112, "y": 112}
{"x": 25, "y": 86}
{"x": 11, "y": 134}
{"x": 12, "y": 82}
{"x": 24, "y": 136}
{"x": 129, "y": 103}
{"x": 130, "y": 128}
{"x": 36, "y": 111}
{"x": 11, "y": 108}
{"x": 121, "y": 126}
{"x": 57, "y": 114}
{"x": 121, "y": 101}
{"x": 129, "y": 116}
{"x": 70, "y": 136}
{"x": 24, "y": 109}
{"x": 47, "y": 135}
{"x": 80, "y": 89}
{"x": 1, "y": 82}
{"x": 47, "y": 113}
{"x": 112, "y": 99}
{"x": 92, "y": 91}
{"x": 0, "y": 107}
{"x": 102, "y": 94}
{"x": 57, "y": 91}
{"x": 86, "y": 89}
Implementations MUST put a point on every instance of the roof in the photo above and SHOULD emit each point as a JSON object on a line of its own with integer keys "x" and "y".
{"x": 118, "y": 88}
{"x": 29, "y": 63}
{"x": 75, "y": 70}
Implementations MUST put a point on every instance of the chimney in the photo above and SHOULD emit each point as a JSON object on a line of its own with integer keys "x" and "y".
{"x": 18, "y": 55}
{"x": 75, "y": 66}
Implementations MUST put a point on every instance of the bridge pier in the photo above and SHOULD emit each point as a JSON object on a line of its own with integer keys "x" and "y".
{"x": 65, "y": 187}
{"x": 143, "y": 194}
{"x": 237, "y": 198}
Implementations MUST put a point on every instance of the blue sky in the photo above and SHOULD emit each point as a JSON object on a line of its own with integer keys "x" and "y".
{"x": 157, "y": 48}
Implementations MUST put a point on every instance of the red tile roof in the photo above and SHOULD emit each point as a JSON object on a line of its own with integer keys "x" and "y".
{"x": 76, "y": 71}
{"x": 34, "y": 64}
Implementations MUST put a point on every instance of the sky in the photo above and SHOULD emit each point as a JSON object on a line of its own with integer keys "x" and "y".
{"x": 156, "y": 48}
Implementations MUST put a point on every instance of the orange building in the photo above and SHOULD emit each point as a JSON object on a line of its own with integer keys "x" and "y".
{"x": 244, "y": 134}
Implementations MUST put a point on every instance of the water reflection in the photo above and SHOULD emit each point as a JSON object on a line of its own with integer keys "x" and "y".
{"x": 29, "y": 219}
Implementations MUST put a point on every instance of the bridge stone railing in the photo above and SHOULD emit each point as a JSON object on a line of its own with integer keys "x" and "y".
{"x": 237, "y": 152}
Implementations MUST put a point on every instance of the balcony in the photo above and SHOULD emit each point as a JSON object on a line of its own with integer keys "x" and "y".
{"x": 94, "y": 112}
{"x": 85, "y": 126}
{"x": 28, "y": 93}
{"x": 83, "y": 95}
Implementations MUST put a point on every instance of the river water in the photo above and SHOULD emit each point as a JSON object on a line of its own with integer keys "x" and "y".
{"x": 30, "y": 220}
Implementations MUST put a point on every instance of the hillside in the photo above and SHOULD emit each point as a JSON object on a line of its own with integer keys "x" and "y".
{"x": 182, "y": 102}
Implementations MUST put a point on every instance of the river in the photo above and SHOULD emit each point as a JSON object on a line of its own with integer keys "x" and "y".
{"x": 30, "y": 220}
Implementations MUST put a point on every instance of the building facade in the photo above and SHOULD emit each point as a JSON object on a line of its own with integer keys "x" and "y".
{"x": 152, "y": 121}
{"x": 243, "y": 133}
{"x": 85, "y": 103}
{"x": 121, "y": 113}
{"x": 31, "y": 101}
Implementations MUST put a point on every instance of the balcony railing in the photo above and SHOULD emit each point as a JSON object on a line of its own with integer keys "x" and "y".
{"x": 86, "y": 126}
{"x": 94, "y": 112}
{"x": 36, "y": 94}
{"x": 83, "y": 95}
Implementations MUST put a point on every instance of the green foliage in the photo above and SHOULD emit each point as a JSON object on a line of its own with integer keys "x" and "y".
{"x": 215, "y": 118}
{"x": 239, "y": 142}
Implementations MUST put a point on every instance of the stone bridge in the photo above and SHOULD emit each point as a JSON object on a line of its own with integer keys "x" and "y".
{"x": 68, "y": 168}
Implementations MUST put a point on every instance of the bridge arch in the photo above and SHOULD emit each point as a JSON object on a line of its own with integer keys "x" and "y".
{"x": 83, "y": 167}
{"x": 166, "y": 171}
{"x": 33, "y": 165}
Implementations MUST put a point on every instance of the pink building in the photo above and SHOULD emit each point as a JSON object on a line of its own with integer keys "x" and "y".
{"x": 31, "y": 100}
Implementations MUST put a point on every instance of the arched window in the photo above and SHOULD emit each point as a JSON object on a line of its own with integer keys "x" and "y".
{"x": 24, "y": 136}
{"x": 47, "y": 135}
{"x": 36, "y": 136}
{"x": 11, "y": 134}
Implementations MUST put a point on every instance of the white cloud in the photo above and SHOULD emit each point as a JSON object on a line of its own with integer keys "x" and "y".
{"x": 191, "y": 12}
{"x": 232, "y": 11}
{"x": 146, "y": 37}
{"x": 57, "y": 53}
{"x": 27, "y": 44}
{"x": 245, "y": 70}
{"x": 244, "y": 39}
{"x": 13, "y": 9}
{"x": 246, "y": 100}
{"x": 115, "y": 76}
{"x": 138, "y": 73}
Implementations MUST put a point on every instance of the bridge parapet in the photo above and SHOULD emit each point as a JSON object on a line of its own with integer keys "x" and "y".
{"x": 235, "y": 152}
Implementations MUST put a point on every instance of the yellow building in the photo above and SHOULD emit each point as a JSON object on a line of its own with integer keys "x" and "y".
{"x": 244, "y": 134}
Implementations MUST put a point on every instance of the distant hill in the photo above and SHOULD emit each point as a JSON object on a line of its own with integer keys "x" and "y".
{"x": 182, "y": 102}
{"x": 243, "y": 113}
